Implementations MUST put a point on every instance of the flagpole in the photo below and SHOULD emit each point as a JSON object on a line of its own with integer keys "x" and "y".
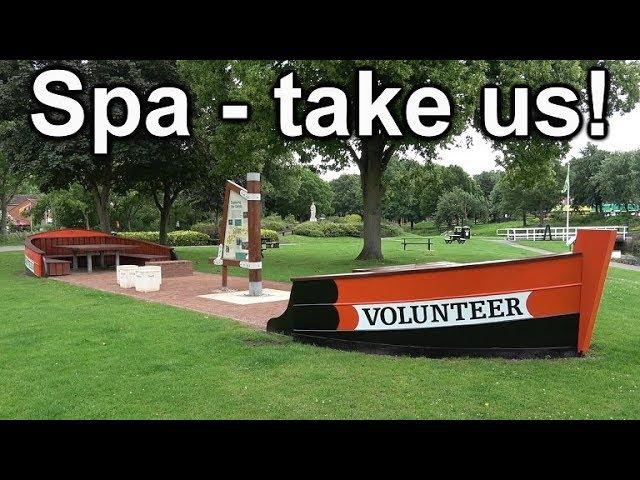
{"x": 568, "y": 209}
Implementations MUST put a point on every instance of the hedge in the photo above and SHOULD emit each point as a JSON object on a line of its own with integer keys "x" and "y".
{"x": 179, "y": 238}
{"x": 208, "y": 228}
{"x": 333, "y": 229}
{"x": 270, "y": 235}
{"x": 274, "y": 222}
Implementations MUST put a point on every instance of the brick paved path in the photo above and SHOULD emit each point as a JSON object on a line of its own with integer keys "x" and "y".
{"x": 183, "y": 292}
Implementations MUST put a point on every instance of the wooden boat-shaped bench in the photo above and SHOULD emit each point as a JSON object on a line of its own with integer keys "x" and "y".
{"x": 529, "y": 307}
{"x": 45, "y": 253}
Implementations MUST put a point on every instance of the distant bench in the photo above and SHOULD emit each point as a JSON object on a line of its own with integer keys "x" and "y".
{"x": 454, "y": 238}
{"x": 416, "y": 241}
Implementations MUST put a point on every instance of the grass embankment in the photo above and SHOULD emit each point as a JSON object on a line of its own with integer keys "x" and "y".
{"x": 70, "y": 352}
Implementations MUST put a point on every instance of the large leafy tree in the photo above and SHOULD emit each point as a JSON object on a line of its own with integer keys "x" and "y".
{"x": 520, "y": 197}
{"x": 347, "y": 194}
{"x": 251, "y": 81}
{"x": 62, "y": 162}
{"x": 163, "y": 168}
{"x": 232, "y": 149}
{"x": 71, "y": 207}
{"x": 533, "y": 156}
{"x": 585, "y": 188}
{"x": 311, "y": 188}
{"x": 403, "y": 184}
{"x": 457, "y": 206}
{"x": 16, "y": 155}
{"x": 615, "y": 179}
{"x": 371, "y": 155}
{"x": 487, "y": 181}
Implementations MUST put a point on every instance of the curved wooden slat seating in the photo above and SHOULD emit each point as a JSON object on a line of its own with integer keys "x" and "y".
{"x": 45, "y": 254}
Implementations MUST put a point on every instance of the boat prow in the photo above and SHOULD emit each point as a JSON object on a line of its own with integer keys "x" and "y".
{"x": 528, "y": 307}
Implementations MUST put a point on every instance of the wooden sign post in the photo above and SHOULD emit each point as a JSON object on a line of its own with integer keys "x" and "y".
{"x": 240, "y": 241}
{"x": 255, "y": 241}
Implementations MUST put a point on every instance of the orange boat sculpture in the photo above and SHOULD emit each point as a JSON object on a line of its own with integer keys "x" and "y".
{"x": 528, "y": 307}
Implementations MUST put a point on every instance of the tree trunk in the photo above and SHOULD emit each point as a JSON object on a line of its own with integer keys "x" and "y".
{"x": 87, "y": 224}
{"x": 168, "y": 199}
{"x": 3, "y": 217}
{"x": 101, "y": 200}
{"x": 371, "y": 181}
{"x": 524, "y": 218}
{"x": 164, "y": 224}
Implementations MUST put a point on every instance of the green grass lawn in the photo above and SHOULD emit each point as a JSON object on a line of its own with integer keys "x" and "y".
{"x": 70, "y": 352}
{"x": 298, "y": 256}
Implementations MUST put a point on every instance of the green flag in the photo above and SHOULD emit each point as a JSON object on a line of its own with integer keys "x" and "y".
{"x": 565, "y": 189}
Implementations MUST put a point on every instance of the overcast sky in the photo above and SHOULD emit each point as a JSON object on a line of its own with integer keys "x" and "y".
{"x": 624, "y": 135}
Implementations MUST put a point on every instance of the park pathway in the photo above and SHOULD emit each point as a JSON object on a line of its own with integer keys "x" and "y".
{"x": 541, "y": 251}
{"x": 12, "y": 248}
{"x": 523, "y": 247}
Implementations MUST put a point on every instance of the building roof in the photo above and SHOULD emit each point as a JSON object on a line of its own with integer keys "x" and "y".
{"x": 18, "y": 199}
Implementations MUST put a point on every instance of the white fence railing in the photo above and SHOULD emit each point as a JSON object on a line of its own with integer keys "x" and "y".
{"x": 537, "y": 233}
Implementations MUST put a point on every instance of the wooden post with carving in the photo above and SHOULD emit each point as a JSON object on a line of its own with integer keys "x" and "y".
{"x": 255, "y": 241}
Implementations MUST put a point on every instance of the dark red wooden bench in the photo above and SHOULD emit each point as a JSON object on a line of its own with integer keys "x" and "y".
{"x": 55, "y": 267}
{"x": 145, "y": 256}
{"x": 45, "y": 253}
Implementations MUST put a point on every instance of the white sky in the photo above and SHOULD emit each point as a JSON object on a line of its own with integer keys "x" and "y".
{"x": 624, "y": 135}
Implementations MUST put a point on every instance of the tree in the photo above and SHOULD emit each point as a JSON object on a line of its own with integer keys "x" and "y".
{"x": 311, "y": 188}
{"x": 585, "y": 189}
{"x": 12, "y": 178}
{"x": 487, "y": 181}
{"x": 71, "y": 207}
{"x": 534, "y": 154}
{"x": 14, "y": 167}
{"x": 456, "y": 206}
{"x": 615, "y": 179}
{"x": 430, "y": 187}
{"x": 402, "y": 182}
{"x": 454, "y": 176}
{"x": 371, "y": 154}
{"x": 347, "y": 194}
{"x": 523, "y": 197}
{"x": 496, "y": 204}
{"x": 62, "y": 162}
{"x": 134, "y": 211}
{"x": 233, "y": 149}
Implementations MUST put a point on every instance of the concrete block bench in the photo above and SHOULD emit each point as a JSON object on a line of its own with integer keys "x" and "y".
{"x": 173, "y": 268}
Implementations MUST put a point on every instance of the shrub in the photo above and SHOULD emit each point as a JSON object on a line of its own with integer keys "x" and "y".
{"x": 332, "y": 229}
{"x": 309, "y": 229}
{"x": 274, "y": 222}
{"x": 290, "y": 221}
{"x": 208, "y": 228}
{"x": 388, "y": 229}
{"x": 327, "y": 228}
{"x": 353, "y": 218}
{"x": 145, "y": 236}
{"x": 270, "y": 235}
{"x": 182, "y": 238}
{"x": 179, "y": 238}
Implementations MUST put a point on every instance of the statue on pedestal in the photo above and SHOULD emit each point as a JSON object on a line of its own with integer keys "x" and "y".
{"x": 313, "y": 212}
